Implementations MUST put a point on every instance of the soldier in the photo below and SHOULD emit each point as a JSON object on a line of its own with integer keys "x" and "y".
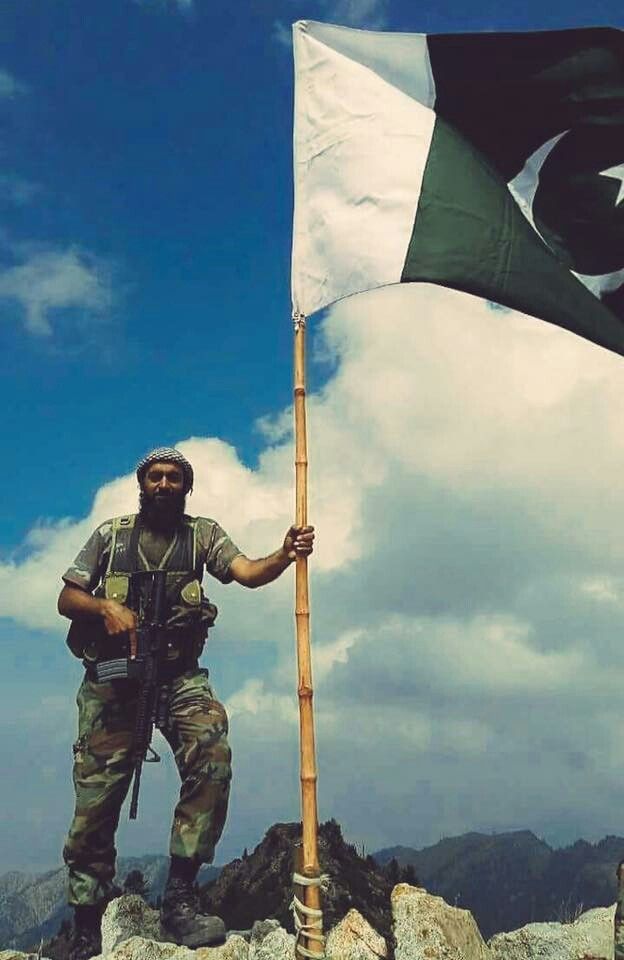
{"x": 97, "y": 599}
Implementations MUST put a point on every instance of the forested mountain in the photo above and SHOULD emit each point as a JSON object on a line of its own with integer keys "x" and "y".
{"x": 509, "y": 879}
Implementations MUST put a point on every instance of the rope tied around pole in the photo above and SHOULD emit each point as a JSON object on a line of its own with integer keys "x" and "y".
{"x": 311, "y": 929}
{"x": 299, "y": 319}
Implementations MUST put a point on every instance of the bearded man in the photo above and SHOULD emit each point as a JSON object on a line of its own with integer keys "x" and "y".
{"x": 99, "y": 600}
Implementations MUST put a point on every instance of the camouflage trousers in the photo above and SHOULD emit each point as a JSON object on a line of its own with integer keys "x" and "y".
{"x": 197, "y": 734}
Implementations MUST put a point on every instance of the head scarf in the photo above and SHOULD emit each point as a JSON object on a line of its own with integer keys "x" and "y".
{"x": 166, "y": 455}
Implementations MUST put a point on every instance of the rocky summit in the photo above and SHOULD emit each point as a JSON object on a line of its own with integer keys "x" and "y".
{"x": 423, "y": 927}
{"x": 260, "y": 884}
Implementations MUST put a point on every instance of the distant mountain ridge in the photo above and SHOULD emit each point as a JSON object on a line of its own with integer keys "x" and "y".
{"x": 509, "y": 879}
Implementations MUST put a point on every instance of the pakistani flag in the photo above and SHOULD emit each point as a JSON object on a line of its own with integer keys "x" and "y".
{"x": 491, "y": 163}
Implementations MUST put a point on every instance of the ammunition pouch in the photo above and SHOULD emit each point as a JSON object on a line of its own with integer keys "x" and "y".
{"x": 193, "y": 608}
{"x": 89, "y": 642}
{"x": 86, "y": 637}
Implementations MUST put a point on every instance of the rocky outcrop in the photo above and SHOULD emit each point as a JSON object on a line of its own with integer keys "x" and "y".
{"x": 353, "y": 937}
{"x": 128, "y": 917}
{"x": 424, "y": 927}
{"x": 140, "y": 948}
{"x": 18, "y": 955}
{"x": 427, "y": 928}
{"x": 278, "y": 945}
{"x": 260, "y": 884}
{"x": 590, "y": 936}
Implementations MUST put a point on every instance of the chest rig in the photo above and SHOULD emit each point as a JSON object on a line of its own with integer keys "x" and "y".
{"x": 188, "y": 612}
{"x": 180, "y": 561}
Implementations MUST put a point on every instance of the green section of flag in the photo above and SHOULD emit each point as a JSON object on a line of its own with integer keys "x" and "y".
{"x": 470, "y": 234}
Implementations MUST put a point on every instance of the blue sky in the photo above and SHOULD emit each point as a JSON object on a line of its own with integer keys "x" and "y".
{"x": 145, "y": 205}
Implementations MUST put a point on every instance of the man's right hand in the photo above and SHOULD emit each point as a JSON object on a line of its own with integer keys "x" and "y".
{"x": 120, "y": 619}
{"x": 75, "y": 602}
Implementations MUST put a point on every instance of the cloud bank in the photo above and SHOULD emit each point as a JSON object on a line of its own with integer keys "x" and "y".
{"x": 467, "y": 586}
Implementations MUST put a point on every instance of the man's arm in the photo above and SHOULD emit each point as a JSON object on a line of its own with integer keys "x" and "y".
{"x": 298, "y": 542}
{"x": 74, "y": 603}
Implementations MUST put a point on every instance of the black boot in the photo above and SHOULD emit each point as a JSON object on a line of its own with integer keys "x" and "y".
{"x": 181, "y": 921}
{"x": 86, "y": 941}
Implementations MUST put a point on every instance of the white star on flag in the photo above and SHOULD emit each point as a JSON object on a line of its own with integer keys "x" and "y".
{"x": 617, "y": 173}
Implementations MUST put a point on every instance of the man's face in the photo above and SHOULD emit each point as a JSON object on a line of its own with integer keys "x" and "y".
{"x": 162, "y": 496}
{"x": 163, "y": 481}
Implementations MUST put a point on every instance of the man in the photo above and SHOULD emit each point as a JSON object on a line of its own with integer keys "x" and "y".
{"x": 99, "y": 598}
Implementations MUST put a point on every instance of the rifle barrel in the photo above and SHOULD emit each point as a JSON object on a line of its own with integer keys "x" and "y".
{"x": 134, "y": 802}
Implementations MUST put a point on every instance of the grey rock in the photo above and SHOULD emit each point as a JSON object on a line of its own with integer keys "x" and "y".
{"x": 259, "y": 932}
{"x": 128, "y": 916}
{"x": 17, "y": 955}
{"x": 427, "y": 928}
{"x": 235, "y": 948}
{"x": 245, "y": 934}
{"x": 261, "y": 929}
{"x": 354, "y": 939}
{"x": 590, "y": 935}
{"x": 139, "y": 948}
{"x": 277, "y": 945}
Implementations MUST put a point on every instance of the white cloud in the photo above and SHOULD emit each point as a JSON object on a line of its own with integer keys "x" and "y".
{"x": 369, "y": 14}
{"x": 464, "y": 469}
{"x": 45, "y": 284}
{"x": 9, "y": 86}
{"x": 53, "y": 287}
{"x": 602, "y": 589}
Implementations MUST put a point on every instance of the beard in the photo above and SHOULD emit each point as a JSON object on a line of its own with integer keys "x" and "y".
{"x": 161, "y": 512}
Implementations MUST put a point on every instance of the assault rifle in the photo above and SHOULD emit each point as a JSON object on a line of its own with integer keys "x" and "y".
{"x": 153, "y": 694}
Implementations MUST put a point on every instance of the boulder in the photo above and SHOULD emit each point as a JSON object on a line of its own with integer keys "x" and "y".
{"x": 590, "y": 936}
{"x": 17, "y": 955}
{"x": 354, "y": 939}
{"x": 259, "y": 932}
{"x": 277, "y": 945}
{"x": 235, "y": 948}
{"x": 139, "y": 948}
{"x": 427, "y": 928}
{"x": 128, "y": 916}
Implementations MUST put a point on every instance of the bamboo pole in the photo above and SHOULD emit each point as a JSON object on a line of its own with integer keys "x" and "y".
{"x": 309, "y": 817}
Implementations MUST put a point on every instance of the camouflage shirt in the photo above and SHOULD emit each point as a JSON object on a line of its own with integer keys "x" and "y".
{"x": 215, "y": 550}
